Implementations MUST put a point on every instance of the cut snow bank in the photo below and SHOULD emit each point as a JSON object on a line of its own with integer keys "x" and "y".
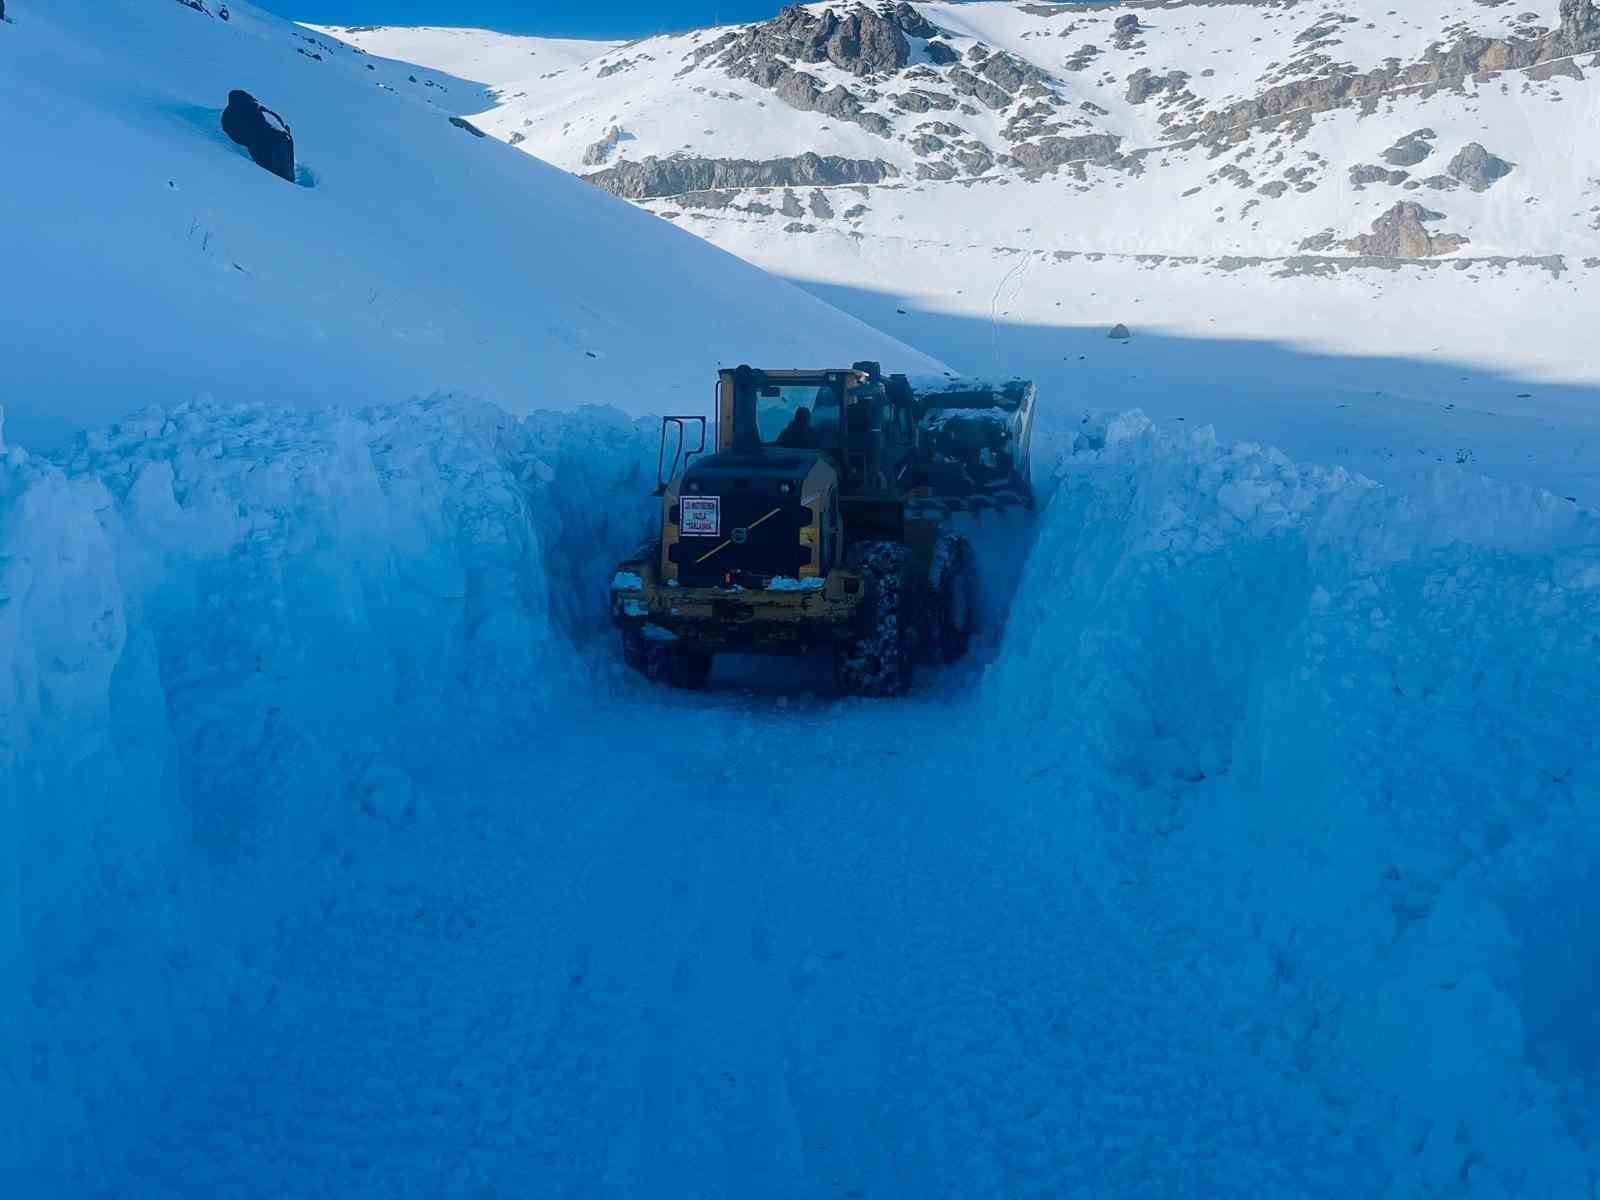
{"x": 225, "y": 635}
{"x": 1333, "y": 748}
{"x": 1325, "y": 750}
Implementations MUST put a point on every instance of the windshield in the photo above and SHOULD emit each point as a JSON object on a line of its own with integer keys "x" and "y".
{"x": 800, "y": 416}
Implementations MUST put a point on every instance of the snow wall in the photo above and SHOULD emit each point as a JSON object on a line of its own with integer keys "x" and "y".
{"x": 1327, "y": 750}
{"x": 1333, "y": 749}
{"x": 232, "y": 640}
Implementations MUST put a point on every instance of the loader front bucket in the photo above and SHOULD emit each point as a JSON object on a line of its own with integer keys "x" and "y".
{"x": 974, "y": 439}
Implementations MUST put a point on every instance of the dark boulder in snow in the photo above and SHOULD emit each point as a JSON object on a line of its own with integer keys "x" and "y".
{"x": 1477, "y": 168}
{"x": 260, "y": 131}
{"x": 1119, "y": 332}
{"x": 942, "y": 55}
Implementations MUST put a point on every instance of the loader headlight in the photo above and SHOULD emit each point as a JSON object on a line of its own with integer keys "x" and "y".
{"x": 694, "y": 487}
{"x": 785, "y": 488}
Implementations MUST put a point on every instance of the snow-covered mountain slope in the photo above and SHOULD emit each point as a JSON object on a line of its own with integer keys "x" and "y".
{"x": 477, "y": 54}
{"x": 414, "y": 256}
{"x": 1411, "y": 189}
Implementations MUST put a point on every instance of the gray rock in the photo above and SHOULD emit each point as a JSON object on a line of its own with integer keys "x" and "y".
{"x": 820, "y": 208}
{"x": 1442, "y": 64}
{"x": 912, "y": 23}
{"x": 927, "y": 143}
{"x": 1400, "y": 233}
{"x": 942, "y": 54}
{"x": 1127, "y": 24}
{"x": 1119, "y": 332}
{"x": 1411, "y": 149}
{"x": 803, "y": 91}
{"x": 598, "y": 152}
{"x": 1081, "y": 58}
{"x": 1371, "y": 173}
{"x": 1477, "y": 168}
{"x": 860, "y": 41}
{"x": 1144, "y": 83}
{"x": 975, "y": 159}
{"x": 967, "y": 84}
{"x": 791, "y": 206}
{"x": 1274, "y": 189}
{"x": 1009, "y": 73}
{"x": 656, "y": 177}
{"x": 1051, "y": 153}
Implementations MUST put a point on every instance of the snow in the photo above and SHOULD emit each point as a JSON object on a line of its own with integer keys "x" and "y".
{"x": 423, "y": 259}
{"x": 1389, "y": 368}
{"x": 481, "y": 55}
{"x": 1283, "y": 772}
{"x": 339, "y": 855}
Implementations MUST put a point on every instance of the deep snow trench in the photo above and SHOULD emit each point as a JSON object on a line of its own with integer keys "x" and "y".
{"x": 1256, "y": 859}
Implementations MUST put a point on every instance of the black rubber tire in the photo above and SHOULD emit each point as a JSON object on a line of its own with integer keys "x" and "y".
{"x": 952, "y": 598}
{"x": 880, "y": 659}
{"x": 664, "y": 662}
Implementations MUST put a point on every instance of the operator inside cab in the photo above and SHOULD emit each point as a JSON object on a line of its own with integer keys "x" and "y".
{"x": 813, "y": 423}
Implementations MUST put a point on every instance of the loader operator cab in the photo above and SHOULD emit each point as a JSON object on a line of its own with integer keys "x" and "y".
{"x": 861, "y": 420}
{"x": 799, "y": 417}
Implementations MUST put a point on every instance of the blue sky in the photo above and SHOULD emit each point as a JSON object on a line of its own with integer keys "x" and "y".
{"x": 551, "y": 18}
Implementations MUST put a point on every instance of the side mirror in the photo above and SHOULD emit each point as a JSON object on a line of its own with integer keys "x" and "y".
{"x": 682, "y": 452}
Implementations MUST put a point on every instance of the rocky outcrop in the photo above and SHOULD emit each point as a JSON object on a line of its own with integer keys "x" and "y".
{"x": 912, "y": 23}
{"x": 941, "y": 54}
{"x": 803, "y": 91}
{"x": 1144, "y": 83}
{"x": 1477, "y": 168}
{"x": 655, "y": 177}
{"x": 1372, "y": 173}
{"x": 979, "y": 88}
{"x": 1051, "y": 153}
{"x": 858, "y": 40}
{"x": 598, "y": 152}
{"x": 1443, "y": 65}
{"x": 1411, "y": 149}
{"x": 865, "y": 42}
{"x": 1010, "y": 73}
{"x": 1400, "y": 233}
{"x": 919, "y": 101}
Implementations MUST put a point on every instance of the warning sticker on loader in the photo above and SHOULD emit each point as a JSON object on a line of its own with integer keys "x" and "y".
{"x": 702, "y": 516}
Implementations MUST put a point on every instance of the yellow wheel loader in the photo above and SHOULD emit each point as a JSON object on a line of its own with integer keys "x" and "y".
{"x": 820, "y": 520}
